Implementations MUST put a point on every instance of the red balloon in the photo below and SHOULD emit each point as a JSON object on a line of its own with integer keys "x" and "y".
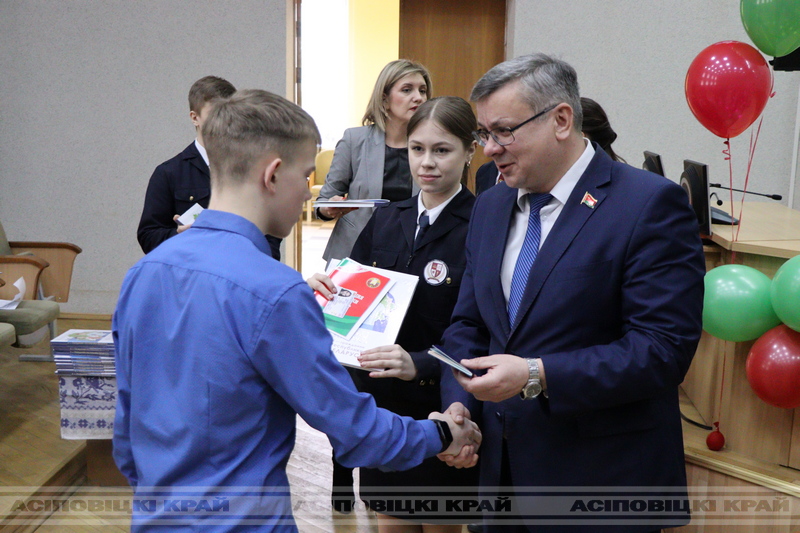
{"x": 715, "y": 440}
{"x": 773, "y": 367}
{"x": 727, "y": 87}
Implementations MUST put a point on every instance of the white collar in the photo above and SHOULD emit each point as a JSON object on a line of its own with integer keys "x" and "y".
{"x": 563, "y": 188}
{"x": 202, "y": 150}
{"x": 436, "y": 211}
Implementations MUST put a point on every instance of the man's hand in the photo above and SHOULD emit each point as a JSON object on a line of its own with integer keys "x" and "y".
{"x": 466, "y": 458}
{"x": 323, "y": 285}
{"x": 466, "y": 441}
{"x": 335, "y": 212}
{"x": 506, "y": 375}
{"x": 392, "y": 361}
{"x": 181, "y": 229}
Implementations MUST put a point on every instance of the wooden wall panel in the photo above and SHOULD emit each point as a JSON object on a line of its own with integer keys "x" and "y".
{"x": 457, "y": 41}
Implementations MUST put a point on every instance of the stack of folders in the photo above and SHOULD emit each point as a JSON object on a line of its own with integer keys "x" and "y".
{"x": 84, "y": 352}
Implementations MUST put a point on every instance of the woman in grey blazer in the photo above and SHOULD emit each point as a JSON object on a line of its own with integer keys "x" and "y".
{"x": 371, "y": 161}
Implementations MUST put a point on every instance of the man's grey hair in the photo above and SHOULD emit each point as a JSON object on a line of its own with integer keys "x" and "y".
{"x": 545, "y": 81}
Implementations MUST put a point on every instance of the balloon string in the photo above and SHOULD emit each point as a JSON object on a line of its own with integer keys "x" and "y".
{"x": 721, "y": 389}
{"x": 727, "y": 153}
{"x": 753, "y": 143}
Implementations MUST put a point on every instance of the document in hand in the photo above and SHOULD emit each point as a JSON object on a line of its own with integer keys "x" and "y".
{"x": 360, "y": 290}
{"x": 381, "y": 324}
{"x": 361, "y": 202}
{"x": 190, "y": 215}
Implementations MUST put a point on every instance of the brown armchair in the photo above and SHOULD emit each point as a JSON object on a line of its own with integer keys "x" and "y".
{"x": 42, "y": 264}
{"x": 27, "y": 324}
{"x": 8, "y": 335}
{"x": 323, "y": 165}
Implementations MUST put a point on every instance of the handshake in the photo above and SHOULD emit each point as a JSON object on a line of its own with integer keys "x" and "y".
{"x": 462, "y": 452}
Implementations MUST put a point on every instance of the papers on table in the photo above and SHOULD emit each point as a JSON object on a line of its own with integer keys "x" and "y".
{"x": 14, "y": 302}
{"x": 381, "y": 315}
{"x": 84, "y": 352}
{"x": 190, "y": 215}
{"x": 365, "y": 202}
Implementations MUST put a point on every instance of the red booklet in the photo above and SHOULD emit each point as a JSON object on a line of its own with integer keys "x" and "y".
{"x": 360, "y": 290}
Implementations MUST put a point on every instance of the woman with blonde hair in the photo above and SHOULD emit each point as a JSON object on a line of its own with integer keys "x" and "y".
{"x": 371, "y": 161}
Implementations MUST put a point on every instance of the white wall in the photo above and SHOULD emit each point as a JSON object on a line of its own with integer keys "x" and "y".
{"x": 632, "y": 57}
{"x": 93, "y": 97}
{"x": 325, "y": 81}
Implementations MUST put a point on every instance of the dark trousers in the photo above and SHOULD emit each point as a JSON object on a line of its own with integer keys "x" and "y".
{"x": 507, "y": 484}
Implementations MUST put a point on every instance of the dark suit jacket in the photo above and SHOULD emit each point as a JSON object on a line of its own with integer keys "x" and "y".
{"x": 387, "y": 242}
{"x": 485, "y": 177}
{"x": 613, "y": 307}
{"x": 175, "y": 186}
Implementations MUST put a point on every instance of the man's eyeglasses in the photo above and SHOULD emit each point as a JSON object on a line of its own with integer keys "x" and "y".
{"x": 505, "y": 135}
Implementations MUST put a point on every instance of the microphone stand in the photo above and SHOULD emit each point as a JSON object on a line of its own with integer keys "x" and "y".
{"x": 718, "y": 216}
{"x": 772, "y": 196}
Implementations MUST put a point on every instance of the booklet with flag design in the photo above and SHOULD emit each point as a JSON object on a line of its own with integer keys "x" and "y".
{"x": 383, "y": 320}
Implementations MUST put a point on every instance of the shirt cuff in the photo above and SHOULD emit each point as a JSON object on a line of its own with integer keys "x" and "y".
{"x": 434, "y": 442}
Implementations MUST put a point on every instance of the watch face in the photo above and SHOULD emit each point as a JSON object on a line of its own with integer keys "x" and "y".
{"x": 532, "y": 390}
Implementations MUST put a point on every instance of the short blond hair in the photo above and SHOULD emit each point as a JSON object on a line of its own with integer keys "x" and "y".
{"x": 376, "y": 109}
{"x": 239, "y": 131}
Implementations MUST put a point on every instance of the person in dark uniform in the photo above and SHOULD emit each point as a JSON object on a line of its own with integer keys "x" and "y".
{"x": 179, "y": 183}
{"x": 424, "y": 236}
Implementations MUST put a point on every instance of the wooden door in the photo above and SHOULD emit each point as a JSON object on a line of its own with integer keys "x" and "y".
{"x": 458, "y": 41}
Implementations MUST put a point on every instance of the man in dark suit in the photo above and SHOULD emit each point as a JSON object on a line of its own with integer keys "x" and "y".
{"x": 179, "y": 183}
{"x": 580, "y": 311}
{"x": 486, "y": 177}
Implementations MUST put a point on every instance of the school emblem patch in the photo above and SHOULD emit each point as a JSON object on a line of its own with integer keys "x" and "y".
{"x": 435, "y": 272}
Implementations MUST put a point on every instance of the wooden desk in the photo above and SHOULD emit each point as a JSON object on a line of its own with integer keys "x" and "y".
{"x": 767, "y": 229}
{"x": 757, "y": 434}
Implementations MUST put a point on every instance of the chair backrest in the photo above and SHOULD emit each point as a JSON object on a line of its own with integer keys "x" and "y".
{"x": 323, "y": 165}
{"x": 5, "y": 248}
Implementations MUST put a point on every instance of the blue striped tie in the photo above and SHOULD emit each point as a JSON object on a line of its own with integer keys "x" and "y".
{"x": 527, "y": 254}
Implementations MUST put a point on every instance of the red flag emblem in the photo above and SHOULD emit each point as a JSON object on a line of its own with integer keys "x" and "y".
{"x": 589, "y": 200}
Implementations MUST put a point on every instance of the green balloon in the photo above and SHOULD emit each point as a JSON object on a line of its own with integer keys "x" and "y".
{"x": 773, "y": 25}
{"x": 786, "y": 293}
{"x": 737, "y": 305}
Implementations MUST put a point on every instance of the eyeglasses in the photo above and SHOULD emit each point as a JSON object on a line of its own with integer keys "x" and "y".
{"x": 505, "y": 135}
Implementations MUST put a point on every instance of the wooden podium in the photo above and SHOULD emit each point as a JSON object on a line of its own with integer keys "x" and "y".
{"x": 762, "y": 447}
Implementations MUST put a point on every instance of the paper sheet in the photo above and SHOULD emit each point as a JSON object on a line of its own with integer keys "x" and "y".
{"x": 13, "y": 303}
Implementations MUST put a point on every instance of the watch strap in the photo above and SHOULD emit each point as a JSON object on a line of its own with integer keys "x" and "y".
{"x": 444, "y": 434}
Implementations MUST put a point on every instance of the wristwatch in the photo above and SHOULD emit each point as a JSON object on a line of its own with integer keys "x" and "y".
{"x": 533, "y": 387}
{"x": 444, "y": 434}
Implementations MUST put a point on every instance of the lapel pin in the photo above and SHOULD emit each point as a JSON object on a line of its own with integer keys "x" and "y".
{"x": 589, "y": 200}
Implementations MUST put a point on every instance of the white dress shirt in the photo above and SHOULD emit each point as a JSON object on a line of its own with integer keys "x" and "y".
{"x": 548, "y": 215}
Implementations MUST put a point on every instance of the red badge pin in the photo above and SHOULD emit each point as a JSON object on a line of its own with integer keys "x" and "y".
{"x": 589, "y": 200}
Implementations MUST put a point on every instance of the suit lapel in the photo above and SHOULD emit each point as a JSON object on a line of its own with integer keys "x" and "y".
{"x": 192, "y": 155}
{"x": 374, "y": 158}
{"x": 573, "y": 217}
{"x": 449, "y": 218}
{"x": 408, "y": 220}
